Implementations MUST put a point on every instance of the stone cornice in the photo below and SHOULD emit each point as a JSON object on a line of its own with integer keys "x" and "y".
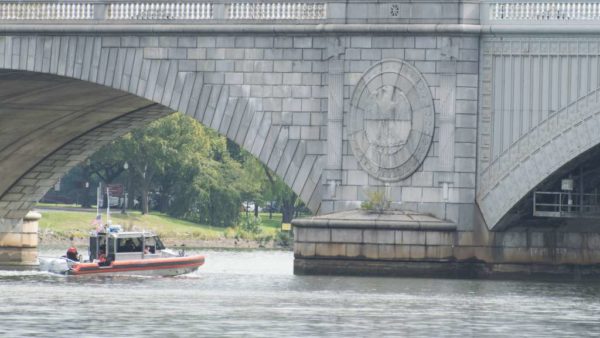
{"x": 241, "y": 28}
{"x": 461, "y": 29}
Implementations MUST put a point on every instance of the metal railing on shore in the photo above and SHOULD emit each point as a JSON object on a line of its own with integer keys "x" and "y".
{"x": 566, "y": 204}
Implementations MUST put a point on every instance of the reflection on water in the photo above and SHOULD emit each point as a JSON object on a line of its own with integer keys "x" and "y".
{"x": 255, "y": 294}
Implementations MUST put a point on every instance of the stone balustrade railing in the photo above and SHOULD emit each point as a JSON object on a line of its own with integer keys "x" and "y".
{"x": 276, "y": 11}
{"x": 544, "y": 11}
{"x": 487, "y": 13}
{"x": 171, "y": 11}
{"x": 159, "y": 11}
{"x": 46, "y": 11}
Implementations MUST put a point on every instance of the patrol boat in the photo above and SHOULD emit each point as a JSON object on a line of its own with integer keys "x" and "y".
{"x": 116, "y": 252}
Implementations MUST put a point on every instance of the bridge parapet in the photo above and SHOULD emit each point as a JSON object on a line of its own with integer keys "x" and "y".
{"x": 165, "y": 11}
{"x": 217, "y": 11}
{"x": 509, "y": 12}
{"x": 492, "y": 13}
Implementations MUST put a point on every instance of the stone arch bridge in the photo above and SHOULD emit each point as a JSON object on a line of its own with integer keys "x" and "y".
{"x": 454, "y": 109}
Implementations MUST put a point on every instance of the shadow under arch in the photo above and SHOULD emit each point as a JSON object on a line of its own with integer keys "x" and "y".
{"x": 584, "y": 171}
{"x": 49, "y": 124}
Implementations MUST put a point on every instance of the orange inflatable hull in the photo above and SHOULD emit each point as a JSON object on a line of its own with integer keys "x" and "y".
{"x": 156, "y": 266}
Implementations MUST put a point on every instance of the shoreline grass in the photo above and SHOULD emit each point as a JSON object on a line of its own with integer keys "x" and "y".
{"x": 78, "y": 223}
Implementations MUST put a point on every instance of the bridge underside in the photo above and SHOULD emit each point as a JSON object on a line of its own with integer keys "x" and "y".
{"x": 49, "y": 124}
{"x": 568, "y": 198}
{"x": 43, "y": 123}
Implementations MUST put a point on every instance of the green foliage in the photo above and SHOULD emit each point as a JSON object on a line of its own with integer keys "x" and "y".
{"x": 180, "y": 168}
{"x": 251, "y": 225}
{"x": 185, "y": 166}
{"x": 377, "y": 202}
{"x": 284, "y": 238}
{"x": 223, "y": 207}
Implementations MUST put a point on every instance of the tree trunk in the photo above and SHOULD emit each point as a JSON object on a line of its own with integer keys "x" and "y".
{"x": 85, "y": 201}
{"x": 255, "y": 210}
{"x": 164, "y": 201}
{"x": 272, "y": 182}
{"x": 144, "y": 201}
{"x": 130, "y": 194}
{"x": 287, "y": 210}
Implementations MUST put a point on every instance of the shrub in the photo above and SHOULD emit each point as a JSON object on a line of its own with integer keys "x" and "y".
{"x": 377, "y": 202}
{"x": 284, "y": 238}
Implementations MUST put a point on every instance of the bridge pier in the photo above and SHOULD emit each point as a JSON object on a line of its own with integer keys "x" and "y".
{"x": 18, "y": 241}
{"x": 416, "y": 245}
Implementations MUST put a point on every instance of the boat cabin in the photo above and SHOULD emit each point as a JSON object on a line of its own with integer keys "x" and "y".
{"x": 117, "y": 245}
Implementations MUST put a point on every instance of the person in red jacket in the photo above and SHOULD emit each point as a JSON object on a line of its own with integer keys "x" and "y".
{"x": 72, "y": 254}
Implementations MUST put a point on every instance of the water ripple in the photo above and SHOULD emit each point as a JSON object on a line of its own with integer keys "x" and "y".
{"x": 255, "y": 294}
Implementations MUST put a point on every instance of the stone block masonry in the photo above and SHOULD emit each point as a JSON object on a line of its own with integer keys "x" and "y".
{"x": 269, "y": 93}
{"x": 411, "y": 244}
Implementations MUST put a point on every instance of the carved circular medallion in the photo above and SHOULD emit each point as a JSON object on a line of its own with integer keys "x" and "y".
{"x": 391, "y": 120}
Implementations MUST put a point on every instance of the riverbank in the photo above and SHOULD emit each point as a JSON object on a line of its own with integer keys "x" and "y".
{"x": 51, "y": 241}
{"x": 63, "y": 226}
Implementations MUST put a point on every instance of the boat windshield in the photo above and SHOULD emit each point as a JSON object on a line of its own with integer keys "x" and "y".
{"x": 129, "y": 244}
{"x": 153, "y": 243}
{"x": 98, "y": 246}
{"x": 159, "y": 244}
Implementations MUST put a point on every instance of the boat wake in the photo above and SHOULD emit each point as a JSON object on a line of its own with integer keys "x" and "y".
{"x": 53, "y": 265}
{"x": 25, "y": 273}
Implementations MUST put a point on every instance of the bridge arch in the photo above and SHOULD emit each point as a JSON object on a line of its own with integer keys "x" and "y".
{"x": 139, "y": 79}
{"x": 554, "y": 142}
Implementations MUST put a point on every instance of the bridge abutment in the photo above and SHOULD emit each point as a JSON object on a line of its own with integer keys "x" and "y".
{"x": 19, "y": 241}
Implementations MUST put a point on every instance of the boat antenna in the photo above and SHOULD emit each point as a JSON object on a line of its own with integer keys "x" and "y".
{"x": 107, "y": 204}
{"x": 98, "y": 190}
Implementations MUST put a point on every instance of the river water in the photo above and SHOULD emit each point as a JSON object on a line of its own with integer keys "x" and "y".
{"x": 255, "y": 294}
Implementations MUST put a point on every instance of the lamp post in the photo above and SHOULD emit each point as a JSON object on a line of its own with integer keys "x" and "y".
{"x": 85, "y": 203}
{"x": 86, "y": 192}
{"x": 124, "y": 210}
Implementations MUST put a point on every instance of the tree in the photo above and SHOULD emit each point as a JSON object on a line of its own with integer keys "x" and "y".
{"x": 189, "y": 172}
{"x": 255, "y": 182}
{"x": 163, "y": 153}
{"x": 186, "y": 144}
{"x": 106, "y": 164}
{"x": 209, "y": 190}
{"x": 280, "y": 192}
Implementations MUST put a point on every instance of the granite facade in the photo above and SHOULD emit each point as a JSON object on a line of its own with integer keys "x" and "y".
{"x": 270, "y": 95}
